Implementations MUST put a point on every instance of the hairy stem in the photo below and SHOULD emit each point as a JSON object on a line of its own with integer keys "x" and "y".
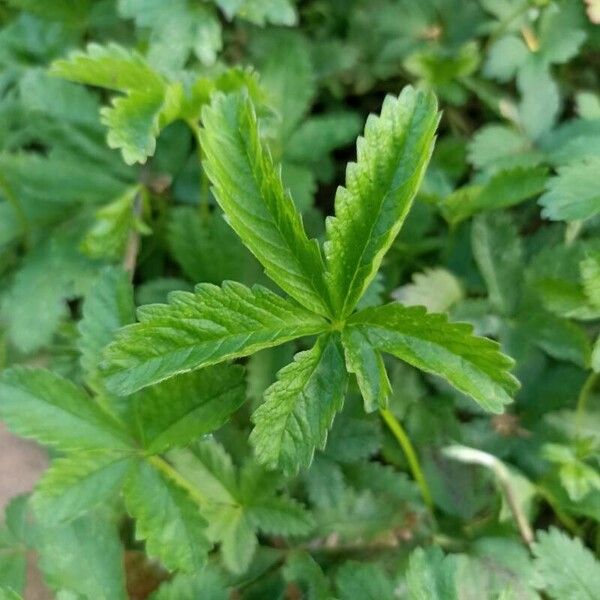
{"x": 411, "y": 456}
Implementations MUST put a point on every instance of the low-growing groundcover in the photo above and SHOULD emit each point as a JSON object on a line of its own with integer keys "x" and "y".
{"x": 303, "y": 298}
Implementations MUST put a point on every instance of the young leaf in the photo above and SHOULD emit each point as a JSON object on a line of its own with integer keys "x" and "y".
{"x": 78, "y": 483}
{"x": 167, "y": 519}
{"x": 429, "y": 342}
{"x": 573, "y": 194}
{"x": 177, "y": 411}
{"x": 106, "y": 307}
{"x": 37, "y": 404}
{"x": 300, "y": 407}
{"x": 565, "y": 567}
{"x": 380, "y": 186}
{"x": 248, "y": 187}
{"x": 135, "y": 119}
{"x": 200, "y": 329}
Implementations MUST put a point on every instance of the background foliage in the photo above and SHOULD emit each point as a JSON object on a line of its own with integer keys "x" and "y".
{"x": 107, "y": 153}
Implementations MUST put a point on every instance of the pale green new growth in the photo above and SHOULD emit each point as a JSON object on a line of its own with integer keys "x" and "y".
{"x": 203, "y": 328}
{"x": 380, "y": 187}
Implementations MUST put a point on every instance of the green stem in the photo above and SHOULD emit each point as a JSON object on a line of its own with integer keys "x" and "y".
{"x": 413, "y": 462}
{"x": 164, "y": 467}
{"x": 582, "y": 399}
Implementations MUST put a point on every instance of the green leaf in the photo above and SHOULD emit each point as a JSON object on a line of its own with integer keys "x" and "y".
{"x": 196, "y": 28}
{"x": 51, "y": 274}
{"x": 209, "y": 584}
{"x": 573, "y": 193}
{"x": 505, "y": 57}
{"x": 363, "y": 580}
{"x": 84, "y": 557}
{"x": 431, "y": 576}
{"x": 289, "y": 81}
{"x": 561, "y": 338}
{"x": 37, "y": 404}
{"x": 167, "y": 519}
{"x": 107, "y": 306}
{"x": 248, "y": 187}
{"x": 380, "y": 186}
{"x": 436, "y": 289}
{"x": 497, "y": 145}
{"x": 300, "y": 407}
{"x": 504, "y": 189}
{"x": 367, "y": 364}
{"x": 108, "y": 236}
{"x": 9, "y": 594}
{"x": 565, "y": 567}
{"x": 13, "y": 557}
{"x": 301, "y": 567}
{"x": 78, "y": 483}
{"x": 590, "y": 276}
{"x": 498, "y": 252}
{"x": 201, "y": 329}
{"x": 429, "y": 342}
{"x": 182, "y": 409}
{"x": 135, "y": 119}
{"x": 540, "y": 100}
{"x": 207, "y": 249}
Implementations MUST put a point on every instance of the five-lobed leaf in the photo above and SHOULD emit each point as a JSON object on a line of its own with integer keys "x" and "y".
{"x": 200, "y": 329}
{"x": 380, "y": 186}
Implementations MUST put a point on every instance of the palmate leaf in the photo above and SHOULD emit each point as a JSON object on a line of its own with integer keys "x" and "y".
{"x": 300, "y": 407}
{"x": 78, "y": 483}
{"x": 177, "y": 411}
{"x": 429, "y": 342}
{"x": 380, "y": 186}
{"x": 566, "y": 568}
{"x": 40, "y": 405}
{"x": 200, "y": 329}
{"x": 166, "y": 518}
{"x": 238, "y": 504}
{"x": 248, "y": 188}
